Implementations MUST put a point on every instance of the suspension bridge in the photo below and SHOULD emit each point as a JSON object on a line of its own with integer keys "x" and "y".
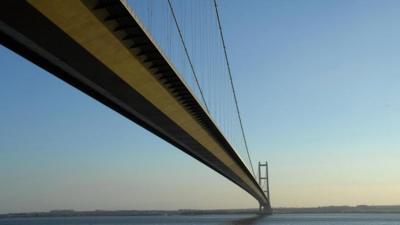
{"x": 162, "y": 64}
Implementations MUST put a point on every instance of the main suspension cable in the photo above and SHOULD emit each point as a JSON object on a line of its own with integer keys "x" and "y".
{"x": 233, "y": 87}
{"x": 187, "y": 54}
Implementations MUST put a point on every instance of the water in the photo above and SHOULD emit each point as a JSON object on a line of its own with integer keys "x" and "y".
{"x": 283, "y": 219}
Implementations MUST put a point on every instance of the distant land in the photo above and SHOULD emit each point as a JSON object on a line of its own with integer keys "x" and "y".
{"x": 325, "y": 209}
{"x": 342, "y": 209}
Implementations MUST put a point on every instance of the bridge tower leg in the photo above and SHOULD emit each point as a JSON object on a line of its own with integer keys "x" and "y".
{"x": 263, "y": 181}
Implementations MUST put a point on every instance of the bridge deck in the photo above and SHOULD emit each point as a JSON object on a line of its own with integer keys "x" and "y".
{"x": 101, "y": 49}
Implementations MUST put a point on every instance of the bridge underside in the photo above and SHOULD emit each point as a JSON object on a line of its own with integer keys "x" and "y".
{"x": 101, "y": 49}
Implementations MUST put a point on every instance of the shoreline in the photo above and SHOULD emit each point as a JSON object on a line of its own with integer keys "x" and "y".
{"x": 362, "y": 209}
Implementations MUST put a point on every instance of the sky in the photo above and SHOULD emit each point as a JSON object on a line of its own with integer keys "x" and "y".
{"x": 318, "y": 84}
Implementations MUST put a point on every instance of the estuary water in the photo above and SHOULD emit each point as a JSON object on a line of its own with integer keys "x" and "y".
{"x": 279, "y": 219}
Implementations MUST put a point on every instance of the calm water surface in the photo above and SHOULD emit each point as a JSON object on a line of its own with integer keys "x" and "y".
{"x": 287, "y": 219}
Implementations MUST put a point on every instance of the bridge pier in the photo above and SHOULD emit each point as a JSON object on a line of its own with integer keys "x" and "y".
{"x": 265, "y": 210}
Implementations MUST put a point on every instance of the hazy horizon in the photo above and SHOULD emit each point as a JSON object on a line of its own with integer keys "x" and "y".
{"x": 210, "y": 209}
{"x": 318, "y": 84}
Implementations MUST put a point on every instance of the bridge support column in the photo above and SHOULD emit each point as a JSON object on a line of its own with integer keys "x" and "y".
{"x": 263, "y": 181}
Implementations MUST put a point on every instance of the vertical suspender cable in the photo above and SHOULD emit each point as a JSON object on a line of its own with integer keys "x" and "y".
{"x": 187, "y": 54}
{"x": 233, "y": 87}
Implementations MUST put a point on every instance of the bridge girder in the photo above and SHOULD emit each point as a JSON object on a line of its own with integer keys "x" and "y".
{"x": 100, "y": 48}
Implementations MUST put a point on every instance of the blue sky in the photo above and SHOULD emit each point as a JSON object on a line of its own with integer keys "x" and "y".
{"x": 318, "y": 85}
{"x": 324, "y": 79}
